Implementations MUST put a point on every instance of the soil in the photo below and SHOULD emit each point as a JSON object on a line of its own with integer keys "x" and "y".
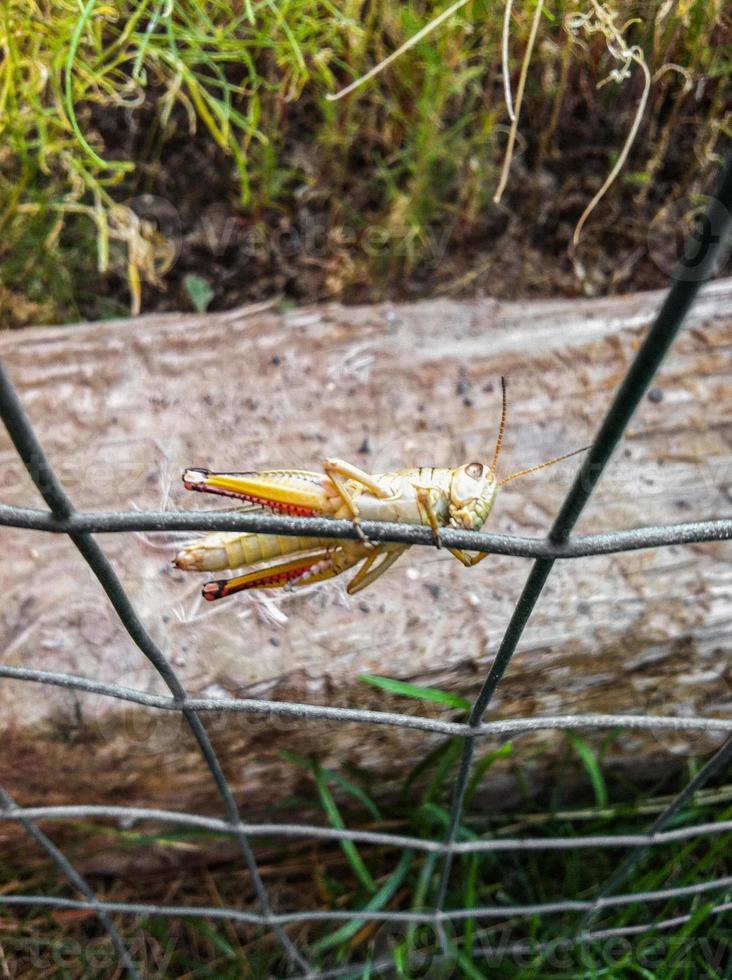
{"x": 310, "y": 248}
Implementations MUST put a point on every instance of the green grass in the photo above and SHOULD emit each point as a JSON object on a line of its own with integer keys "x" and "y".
{"x": 99, "y": 99}
{"x": 99, "y": 102}
{"x": 587, "y": 796}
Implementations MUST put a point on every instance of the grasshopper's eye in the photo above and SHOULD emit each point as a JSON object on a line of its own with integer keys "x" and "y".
{"x": 474, "y": 470}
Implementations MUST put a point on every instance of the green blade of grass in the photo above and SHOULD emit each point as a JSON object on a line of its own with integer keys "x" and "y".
{"x": 433, "y": 694}
{"x": 428, "y": 762}
{"x": 588, "y": 759}
{"x": 122, "y": 165}
{"x": 355, "y": 791}
{"x": 443, "y": 767}
{"x": 482, "y": 767}
{"x": 679, "y": 947}
{"x": 470, "y": 902}
{"x": 378, "y": 901}
{"x": 337, "y": 779}
{"x": 469, "y": 970}
{"x": 333, "y": 814}
{"x": 441, "y": 817}
{"x": 347, "y": 846}
{"x": 217, "y": 940}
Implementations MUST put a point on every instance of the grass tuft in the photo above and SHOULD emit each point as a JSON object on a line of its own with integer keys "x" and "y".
{"x": 108, "y": 104}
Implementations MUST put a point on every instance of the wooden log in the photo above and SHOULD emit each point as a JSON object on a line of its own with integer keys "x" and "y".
{"x": 121, "y": 407}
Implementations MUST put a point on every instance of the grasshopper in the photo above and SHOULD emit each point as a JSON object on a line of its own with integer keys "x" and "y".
{"x": 435, "y": 496}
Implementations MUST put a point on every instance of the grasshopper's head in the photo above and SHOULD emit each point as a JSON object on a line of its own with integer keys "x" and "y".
{"x": 472, "y": 492}
{"x": 473, "y": 487}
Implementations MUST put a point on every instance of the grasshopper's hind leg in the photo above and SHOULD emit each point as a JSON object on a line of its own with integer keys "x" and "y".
{"x": 307, "y": 569}
{"x": 296, "y": 492}
{"x": 338, "y": 471}
{"x": 367, "y": 573}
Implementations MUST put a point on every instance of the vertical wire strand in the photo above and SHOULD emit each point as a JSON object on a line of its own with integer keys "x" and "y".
{"x": 31, "y": 452}
{"x": 716, "y": 229}
{"x": 697, "y": 264}
{"x": 715, "y": 765}
{"x": 67, "y": 869}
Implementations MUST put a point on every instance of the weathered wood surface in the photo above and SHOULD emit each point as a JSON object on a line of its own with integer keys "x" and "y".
{"x": 122, "y": 407}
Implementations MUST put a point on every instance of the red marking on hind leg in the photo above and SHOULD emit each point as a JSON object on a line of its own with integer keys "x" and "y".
{"x": 294, "y": 509}
{"x": 220, "y": 588}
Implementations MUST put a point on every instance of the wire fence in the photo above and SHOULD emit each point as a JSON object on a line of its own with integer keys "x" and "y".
{"x": 697, "y": 265}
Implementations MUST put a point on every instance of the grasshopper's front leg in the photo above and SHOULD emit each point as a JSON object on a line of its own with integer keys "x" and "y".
{"x": 424, "y": 498}
{"x": 468, "y": 560}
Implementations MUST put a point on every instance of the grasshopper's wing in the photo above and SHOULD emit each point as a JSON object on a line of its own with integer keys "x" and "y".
{"x": 305, "y": 569}
{"x": 298, "y": 492}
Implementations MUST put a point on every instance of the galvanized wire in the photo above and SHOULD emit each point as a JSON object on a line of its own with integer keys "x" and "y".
{"x": 128, "y": 816}
{"x": 322, "y": 712}
{"x": 318, "y": 712}
{"x": 715, "y": 231}
{"x": 493, "y": 954}
{"x": 147, "y": 909}
{"x": 64, "y": 519}
{"x": 582, "y": 546}
{"x": 9, "y": 810}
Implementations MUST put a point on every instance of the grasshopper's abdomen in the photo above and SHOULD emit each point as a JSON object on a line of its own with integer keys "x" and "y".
{"x": 234, "y": 549}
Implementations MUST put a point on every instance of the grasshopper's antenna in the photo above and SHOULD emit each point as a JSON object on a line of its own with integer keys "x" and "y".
{"x": 501, "y": 428}
{"x": 541, "y": 466}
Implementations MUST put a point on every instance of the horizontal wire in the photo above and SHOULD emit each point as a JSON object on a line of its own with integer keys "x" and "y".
{"x": 582, "y": 546}
{"x": 371, "y": 915}
{"x": 10, "y": 809}
{"x": 127, "y": 816}
{"x": 31, "y": 453}
{"x": 503, "y": 950}
{"x": 317, "y": 712}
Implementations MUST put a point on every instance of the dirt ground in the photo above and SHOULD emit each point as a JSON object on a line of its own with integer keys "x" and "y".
{"x": 331, "y": 241}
